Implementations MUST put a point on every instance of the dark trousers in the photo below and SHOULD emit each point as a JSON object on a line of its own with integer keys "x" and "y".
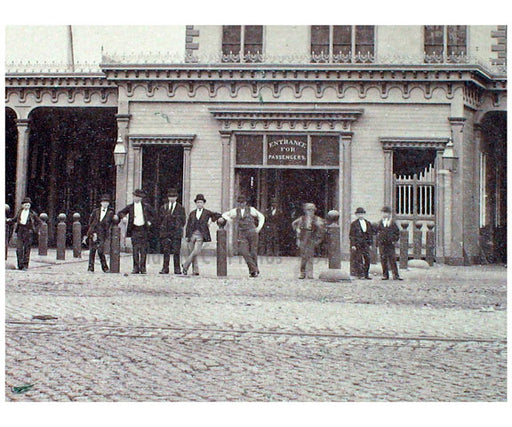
{"x": 171, "y": 246}
{"x": 361, "y": 258}
{"x": 23, "y": 244}
{"x": 97, "y": 246}
{"x": 248, "y": 247}
{"x": 271, "y": 240}
{"x": 388, "y": 260}
{"x": 140, "y": 248}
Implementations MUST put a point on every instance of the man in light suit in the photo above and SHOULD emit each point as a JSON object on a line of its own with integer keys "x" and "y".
{"x": 171, "y": 221}
{"x": 361, "y": 239}
{"x": 140, "y": 217}
{"x": 98, "y": 232}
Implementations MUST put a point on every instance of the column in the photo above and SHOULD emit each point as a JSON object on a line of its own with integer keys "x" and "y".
{"x": 123, "y": 121}
{"x": 21, "y": 161}
{"x": 186, "y": 176}
{"x": 345, "y": 192}
{"x": 439, "y": 205}
{"x": 388, "y": 177}
{"x": 226, "y": 169}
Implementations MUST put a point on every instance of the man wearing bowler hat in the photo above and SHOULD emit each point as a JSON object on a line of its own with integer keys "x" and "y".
{"x": 98, "y": 232}
{"x": 361, "y": 239}
{"x": 172, "y": 220}
{"x": 244, "y": 217}
{"x": 26, "y": 223}
{"x": 140, "y": 217}
{"x": 198, "y": 232}
{"x": 387, "y": 235}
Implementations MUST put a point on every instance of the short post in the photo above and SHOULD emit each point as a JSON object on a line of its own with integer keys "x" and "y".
{"x": 115, "y": 246}
{"x": 222, "y": 248}
{"x": 431, "y": 244}
{"x": 43, "y": 234}
{"x": 416, "y": 240}
{"x": 7, "y": 230}
{"x": 61, "y": 237}
{"x": 404, "y": 245}
{"x": 77, "y": 236}
{"x": 374, "y": 259}
{"x": 333, "y": 240}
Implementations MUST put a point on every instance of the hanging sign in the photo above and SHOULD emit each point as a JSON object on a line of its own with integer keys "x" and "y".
{"x": 287, "y": 150}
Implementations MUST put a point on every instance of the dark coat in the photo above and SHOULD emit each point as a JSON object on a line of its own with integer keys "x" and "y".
{"x": 201, "y": 224}
{"x": 171, "y": 225}
{"x": 358, "y": 237}
{"x": 33, "y": 221}
{"x": 387, "y": 236}
{"x": 128, "y": 210}
{"x": 101, "y": 228}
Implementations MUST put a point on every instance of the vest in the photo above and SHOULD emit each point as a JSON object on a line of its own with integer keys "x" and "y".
{"x": 246, "y": 222}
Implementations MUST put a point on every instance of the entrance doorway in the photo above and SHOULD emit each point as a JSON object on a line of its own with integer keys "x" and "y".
{"x": 162, "y": 168}
{"x": 290, "y": 188}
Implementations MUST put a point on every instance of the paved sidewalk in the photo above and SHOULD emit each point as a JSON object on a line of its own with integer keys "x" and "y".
{"x": 440, "y": 335}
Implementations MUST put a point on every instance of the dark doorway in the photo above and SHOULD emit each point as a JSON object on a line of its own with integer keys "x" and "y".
{"x": 162, "y": 168}
{"x": 11, "y": 146}
{"x": 71, "y": 161}
{"x": 291, "y": 188}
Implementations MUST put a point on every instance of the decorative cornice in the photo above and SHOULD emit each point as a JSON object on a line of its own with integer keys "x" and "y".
{"x": 235, "y": 118}
{"x": 389, "y": 143}
{"x": 184, "y": 140}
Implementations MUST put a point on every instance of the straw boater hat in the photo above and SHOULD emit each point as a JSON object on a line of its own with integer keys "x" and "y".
{"x": 172, "y": 192}
{"x": 200, "y": 197}
{"x": 139, "y": 193}
{"x": 360, "y": 211}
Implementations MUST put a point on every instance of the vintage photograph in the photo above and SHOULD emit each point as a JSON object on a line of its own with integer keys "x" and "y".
{"x": 255, "y": 213}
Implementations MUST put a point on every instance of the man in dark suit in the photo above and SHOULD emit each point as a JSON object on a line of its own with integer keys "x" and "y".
{"x": 171, "y": 220}
{"x": 98, "y": 232}
{"x": 26, "y": 223}
{"x": 361, "y": 239}
{"x": 140, "y": 217}
{"x": 198, "y": 232}
{"x": 387, "y": 235}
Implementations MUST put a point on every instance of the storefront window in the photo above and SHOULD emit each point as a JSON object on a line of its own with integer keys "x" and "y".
{"x": 325, "y": 151}
{"x": 249, "y": 149}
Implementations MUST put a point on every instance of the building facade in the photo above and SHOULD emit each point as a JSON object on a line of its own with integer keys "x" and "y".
{"x": 343, "y": 116}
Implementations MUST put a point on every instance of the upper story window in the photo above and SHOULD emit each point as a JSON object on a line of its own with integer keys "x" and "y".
{"x": 242, "y": 43}
{"x": 342, "y": 43}
{"x": 445, "y": 43}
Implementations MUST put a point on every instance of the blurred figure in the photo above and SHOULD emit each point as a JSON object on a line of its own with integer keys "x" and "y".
{"x": 387, "y": 235}
{"x": 271, "y": 236}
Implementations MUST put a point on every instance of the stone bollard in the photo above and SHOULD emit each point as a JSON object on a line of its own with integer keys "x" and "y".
{"x": 43, "y": 234}
{"x": 431, "y": 244}
{"x": 222, "y": 248}
{"x": 7, "y": 230}
{"x": 404, "y": 245}
{"x": 417, "y": 236}
{"x": 115, "y": 246}
{"x": 77, "y": 236}
{"x": 374, "y": 259}
{"x": 333, "y": 240}
{"x": 61, "y": 237}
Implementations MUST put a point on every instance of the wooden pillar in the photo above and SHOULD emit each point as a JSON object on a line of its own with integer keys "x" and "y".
{"x": 115, "y": 246}
{"x": 345, "y": 191}
{"x": 61, "y": 237}
{"x": 121, "y": 191}
{"x": 417, "y": 237}
{"x": 43, "y": 235}
{"x": 430, "y": 244}
{"x": 388, "y": 178}
{"x": 7, "y": 230}
{"x": 404, "y": 245}
{"x": 186, "y": 177}
{"x": 77, "y": 236}
{"x": 21, "y": 161}
{"x": 222, "y": 249}
{"x": 226, "y": 169}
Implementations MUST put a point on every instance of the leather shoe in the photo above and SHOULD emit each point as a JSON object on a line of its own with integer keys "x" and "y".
{"x": 397, "y": 278}
{"x": 135, "y": 271}
{"x": 385, "y": 278}
{"x": 164, "y": 272}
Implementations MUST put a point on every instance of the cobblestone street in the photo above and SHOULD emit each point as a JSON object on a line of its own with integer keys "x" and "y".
{"x": 440, "y": 335}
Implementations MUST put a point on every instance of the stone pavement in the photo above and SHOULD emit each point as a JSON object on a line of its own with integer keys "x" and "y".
{"x": 440, "y": 335}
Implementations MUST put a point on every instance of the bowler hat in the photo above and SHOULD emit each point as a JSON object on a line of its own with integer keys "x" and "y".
{"x": 241, "y": 198}
{"x": 200, "y": 197}
{"x": 386, "y": 209}
{"x": 139, "y": 193}
{"x": 360, "y": 211}
{"x": 26, "y": 200}
{"x": 105, "y": 198}
{"x": 172, "y": 192}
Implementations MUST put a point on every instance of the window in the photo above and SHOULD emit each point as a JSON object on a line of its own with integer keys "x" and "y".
{"x": 445, "y": 43}
{"x": 338, "y": 43}
{"x": 242, "y": 43}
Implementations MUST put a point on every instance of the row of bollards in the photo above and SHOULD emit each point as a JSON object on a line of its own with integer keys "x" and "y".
{"x": 417, "y": 243}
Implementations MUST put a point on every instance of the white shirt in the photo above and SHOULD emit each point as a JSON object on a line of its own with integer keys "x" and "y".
{"x": 138, "y": 214}
{"x": 273, "y": 211}
{"x": 362, "y": 222}
{"x": 199, "y": 212}
{"x": 386, "y": 222}
{"x": 24, "y": 216}
{"x": 231, "y": 215}
{"x": 171, "y": 207}
{"x": 103, "y": 213}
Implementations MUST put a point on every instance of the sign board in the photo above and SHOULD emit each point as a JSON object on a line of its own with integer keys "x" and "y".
{"x": 287, "y": 150}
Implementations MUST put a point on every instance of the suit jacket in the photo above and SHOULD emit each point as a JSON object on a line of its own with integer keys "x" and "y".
{"x": 101, "y": 228}
{"x": 171, "y": 224}
{"x": 358, "y": 237}
{"x": 201, "y": 224}
{"x": 128, "y": 210}
{"x": 33, "y": 221}
{"x": 387, "y": 236}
